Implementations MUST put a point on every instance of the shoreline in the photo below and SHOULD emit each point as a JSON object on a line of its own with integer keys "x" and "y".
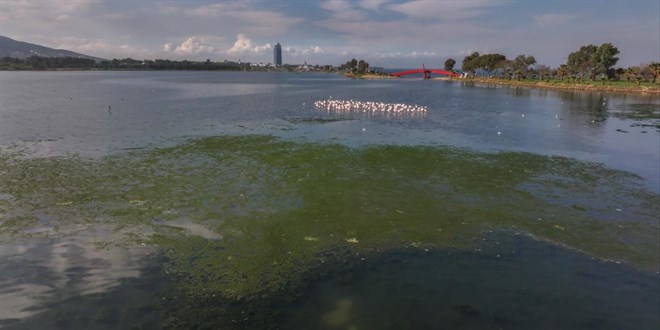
{"x": 367, "y": 76}
{"x": 552, "y": 85}
{"x": 563, "y": 86}
{"x": 654, "y": 90}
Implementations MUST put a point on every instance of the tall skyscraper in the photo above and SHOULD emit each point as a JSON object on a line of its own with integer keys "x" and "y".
{"x": 277, "y": 55}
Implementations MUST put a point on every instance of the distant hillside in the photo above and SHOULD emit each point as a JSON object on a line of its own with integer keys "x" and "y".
{"x": 18, "y": 49}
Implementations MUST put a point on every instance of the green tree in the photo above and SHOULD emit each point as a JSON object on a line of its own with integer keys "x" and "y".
{"x": 606, "y": 55}
{"x": 646, "y": 73}
{"x": 590, "y": 61}
{"x": 470, "y": 63}
{"x": 563, "y": 71}
{"x": 488, "y": 62}
{"x": 544, "y": 71}
{"x": 654, "y": 68}
{"x": 630, "y": 73}
{"x": 606, "y": 58}
{"x": 449, "y": 64}
{"x": 350, "y": 65}
{"x": 362, "y": 66}
{"x": 521, "y": 65}
{"x": 504, "y": 69}
{"x": 582, "y": 62}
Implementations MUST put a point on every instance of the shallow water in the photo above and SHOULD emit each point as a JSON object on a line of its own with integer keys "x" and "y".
{"x": 513, "y": 285}
{"x": 231, "y": 194}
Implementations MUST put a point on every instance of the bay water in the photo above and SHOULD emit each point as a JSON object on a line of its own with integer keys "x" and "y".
{"x": 232, "y": 200}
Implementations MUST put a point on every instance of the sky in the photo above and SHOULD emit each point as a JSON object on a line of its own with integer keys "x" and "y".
{"x": 385, "y": 33}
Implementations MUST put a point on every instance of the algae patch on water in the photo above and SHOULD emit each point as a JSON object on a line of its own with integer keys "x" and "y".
{"x": 263, "y": 211}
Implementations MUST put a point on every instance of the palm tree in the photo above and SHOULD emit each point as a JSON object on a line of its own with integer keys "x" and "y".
{"x": 544, "y": 72}
{"x": 630, "y": 73}
{"x": 563, "y": 71}
{"x": 655, "y": 70}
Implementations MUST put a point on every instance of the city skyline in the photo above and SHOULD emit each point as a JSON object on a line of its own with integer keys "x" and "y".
{"x": 387, "y": 33}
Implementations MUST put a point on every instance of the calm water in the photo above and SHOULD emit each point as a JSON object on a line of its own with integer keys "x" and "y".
{"x": 59, "y": 113}
{"x": 229, "y": 200}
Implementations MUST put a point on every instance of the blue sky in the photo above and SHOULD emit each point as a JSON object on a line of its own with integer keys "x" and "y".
{"x": 387, "y": 33}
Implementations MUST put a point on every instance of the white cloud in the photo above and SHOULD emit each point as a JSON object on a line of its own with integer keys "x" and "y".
{"x": 445, "y": 10}
{"x": 313, "y": 50}
{"x": 244, "y": 45}
{"x": 192, "y": 46}
{"x": 259, "y": 49}
{"x": 333, "y": 31}
{"x": 413, "y": 54}
{"x": 304, "y": 50}
{"x": 422, "y": 54}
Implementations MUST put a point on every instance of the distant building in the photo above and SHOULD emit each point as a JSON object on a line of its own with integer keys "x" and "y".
{"x": 277, "y": 55}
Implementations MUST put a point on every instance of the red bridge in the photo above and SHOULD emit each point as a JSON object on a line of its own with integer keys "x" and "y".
{"x": 426, "y": 72}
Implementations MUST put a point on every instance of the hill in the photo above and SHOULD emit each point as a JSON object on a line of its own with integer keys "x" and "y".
{"x": 19, "y": 49}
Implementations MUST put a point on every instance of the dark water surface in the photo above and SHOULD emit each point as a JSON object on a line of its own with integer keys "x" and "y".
{"x": 516, "y": 285}
{"x": 227, "y": 200}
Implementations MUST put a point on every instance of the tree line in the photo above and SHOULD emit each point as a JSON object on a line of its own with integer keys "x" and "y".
{"x": 74, "y": 63}
{"x": 47, "y": 63}
{"x": 590, "y": 62}
{"x": 354, "y": 66}
{"x": 38, "y": 62}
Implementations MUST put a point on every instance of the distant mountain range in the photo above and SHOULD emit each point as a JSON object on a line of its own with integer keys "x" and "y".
{"x": 19, "y": 49}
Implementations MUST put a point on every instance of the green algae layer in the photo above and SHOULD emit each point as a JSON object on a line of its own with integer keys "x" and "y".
{"x": 242, "y": 216}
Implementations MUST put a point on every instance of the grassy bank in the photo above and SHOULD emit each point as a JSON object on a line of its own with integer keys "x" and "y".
{"x": 367, "y": 75}
{"x": 609, "y": 86}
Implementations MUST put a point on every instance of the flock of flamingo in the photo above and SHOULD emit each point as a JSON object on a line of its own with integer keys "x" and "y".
{"x": 366, "y": 107}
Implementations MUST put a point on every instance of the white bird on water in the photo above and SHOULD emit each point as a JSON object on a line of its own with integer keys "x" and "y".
{"x": 368, "y": 107}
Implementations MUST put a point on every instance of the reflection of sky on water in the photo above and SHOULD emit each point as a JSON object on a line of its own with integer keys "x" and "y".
{"x": 37, "y": 270}
{"x": 191, "y": 90}
{"x": 192, "y": 228}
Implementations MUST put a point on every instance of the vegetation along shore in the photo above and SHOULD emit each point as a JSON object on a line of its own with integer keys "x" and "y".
{"x": 609, "y": 86}
{"x": 590, "y": 68}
